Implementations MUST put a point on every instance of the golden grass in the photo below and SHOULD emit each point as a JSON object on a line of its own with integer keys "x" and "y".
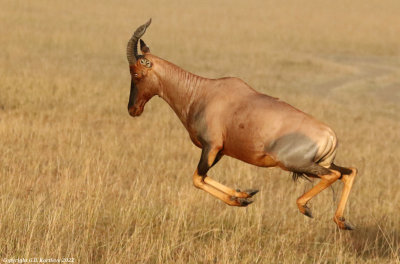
{"x": 80, "y": 178}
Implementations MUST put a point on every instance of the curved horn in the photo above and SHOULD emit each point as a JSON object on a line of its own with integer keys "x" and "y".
{"x": 131, "y": 49}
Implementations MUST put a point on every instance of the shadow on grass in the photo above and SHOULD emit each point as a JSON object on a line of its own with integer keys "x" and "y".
{"x": 374, "y": 241}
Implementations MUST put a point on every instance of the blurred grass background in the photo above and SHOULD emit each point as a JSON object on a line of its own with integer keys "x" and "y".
{"x": 80, "y": 178}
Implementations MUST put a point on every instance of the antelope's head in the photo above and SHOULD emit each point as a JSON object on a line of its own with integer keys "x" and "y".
{"x": 144, "y": 83}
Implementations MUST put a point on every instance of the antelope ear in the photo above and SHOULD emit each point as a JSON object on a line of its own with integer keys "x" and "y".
{"x": 144, "y": 48}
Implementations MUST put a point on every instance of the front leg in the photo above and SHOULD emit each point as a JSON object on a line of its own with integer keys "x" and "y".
{"x": 209, "y": 157}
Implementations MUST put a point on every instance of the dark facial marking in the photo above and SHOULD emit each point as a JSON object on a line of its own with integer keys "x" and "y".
{"x": 133, "y": 94}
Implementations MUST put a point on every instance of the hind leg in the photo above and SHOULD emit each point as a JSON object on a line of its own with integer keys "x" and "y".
{"x": 347, "y": 179}
{"x": 329, "y": 177}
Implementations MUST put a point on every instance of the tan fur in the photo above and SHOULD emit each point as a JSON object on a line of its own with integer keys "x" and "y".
{"x": 227, "y": 117}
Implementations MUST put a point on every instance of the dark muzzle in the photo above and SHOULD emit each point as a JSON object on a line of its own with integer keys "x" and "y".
{"x": 132, "y": 98}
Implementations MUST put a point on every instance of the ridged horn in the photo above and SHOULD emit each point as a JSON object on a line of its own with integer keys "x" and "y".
{"x": 131, "y": 49}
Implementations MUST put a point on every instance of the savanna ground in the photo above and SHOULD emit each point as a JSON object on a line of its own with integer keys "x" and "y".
{"x": 80, "y": 178}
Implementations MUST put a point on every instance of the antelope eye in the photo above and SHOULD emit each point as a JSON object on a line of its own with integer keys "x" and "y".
{"x": 148, "y": 64}
{"x": 142, "y": 61}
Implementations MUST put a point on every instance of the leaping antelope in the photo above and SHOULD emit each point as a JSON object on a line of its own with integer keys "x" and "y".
{"x": 227, "y": 117}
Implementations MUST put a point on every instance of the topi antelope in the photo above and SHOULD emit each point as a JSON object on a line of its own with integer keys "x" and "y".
{"x": 227, "y": 117}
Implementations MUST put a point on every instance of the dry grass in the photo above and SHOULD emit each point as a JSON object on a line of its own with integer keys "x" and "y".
{"x": 80, "y": 178}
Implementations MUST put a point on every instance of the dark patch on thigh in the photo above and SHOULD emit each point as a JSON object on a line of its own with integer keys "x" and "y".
{"x": 295, "y": 151}
{"x": 312, "y": 170}
{"x": 342, "y": 170}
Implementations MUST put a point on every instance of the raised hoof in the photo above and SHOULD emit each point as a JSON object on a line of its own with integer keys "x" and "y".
{"x": 306, "y": 211}
{"x": 249, "y": 192}
{"x": 342, "y": 224}
{"x": 243, "y": 202}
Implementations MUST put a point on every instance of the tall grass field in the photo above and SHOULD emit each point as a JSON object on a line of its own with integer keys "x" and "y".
{"x": 82, "y": 181}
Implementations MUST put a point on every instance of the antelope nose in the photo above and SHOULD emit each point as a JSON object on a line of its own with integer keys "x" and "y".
{"x": 132, "y": 110}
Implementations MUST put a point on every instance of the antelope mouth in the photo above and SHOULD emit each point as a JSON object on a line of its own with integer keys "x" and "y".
{"x": 135, "y": 111}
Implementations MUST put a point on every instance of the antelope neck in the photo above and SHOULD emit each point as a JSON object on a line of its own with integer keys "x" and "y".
{"x": 179, "y": 88}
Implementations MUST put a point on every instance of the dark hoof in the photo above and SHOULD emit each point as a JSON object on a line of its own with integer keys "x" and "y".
{"x": 306, "y": 211}
{"x": 343, "y": 224}
{"x": 243, "y": 202}
{"x": 348, "y": 226}
{"x": 251, "y": 192}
